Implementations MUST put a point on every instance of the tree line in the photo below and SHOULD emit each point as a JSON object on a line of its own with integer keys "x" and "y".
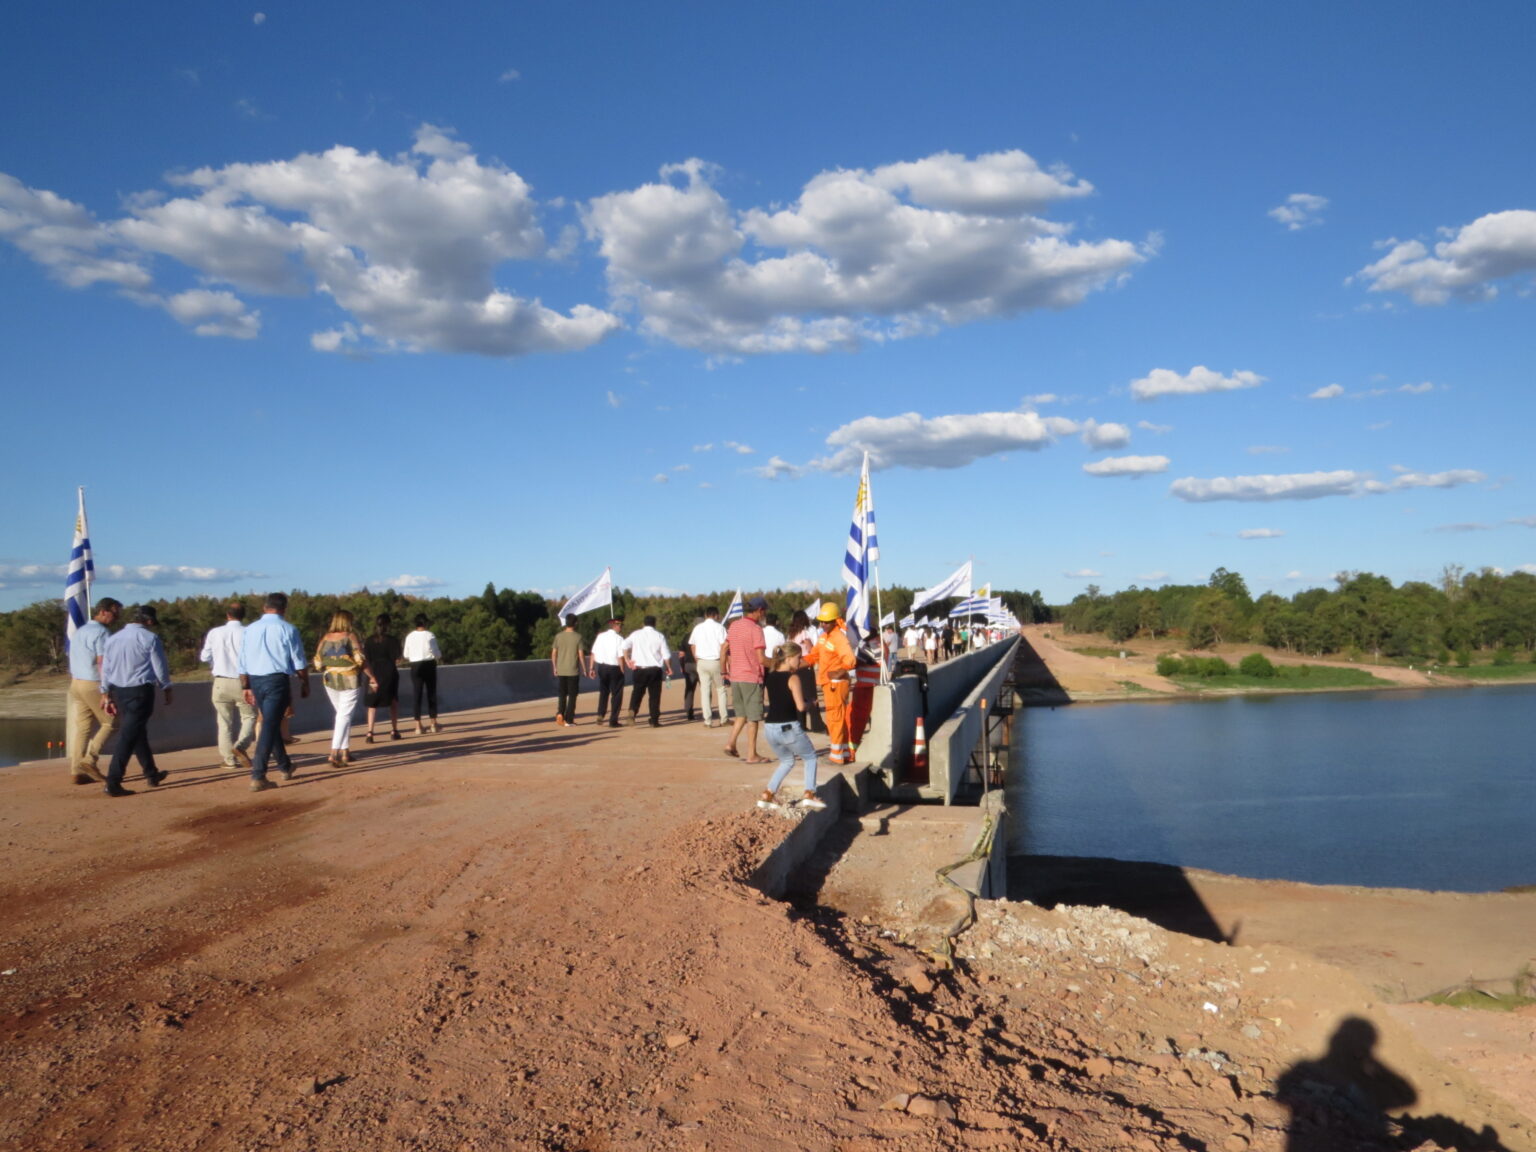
{"x": 498, "y": 624}
{"x": 1461, "y": 614}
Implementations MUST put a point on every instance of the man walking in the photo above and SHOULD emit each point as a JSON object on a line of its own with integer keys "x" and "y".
{"x": 270, "y": 654}
{"x": 132, "y": 666}
{"x": 608, "y": 666}
{"x": 744, "y": 664}
{"x": 221, "y": 650}
{"x": 90, "y": 706}
{"x": 566, "y": 660}
{"x": 649, "y": 656}
{"x": 705, "y": 642}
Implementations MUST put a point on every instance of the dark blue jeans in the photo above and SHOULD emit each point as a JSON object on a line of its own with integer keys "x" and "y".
{"x": 134, "y": 708}
{"x": 273, "y": 695}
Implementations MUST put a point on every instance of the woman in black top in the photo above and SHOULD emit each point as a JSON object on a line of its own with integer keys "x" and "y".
{"x": 382, "y": 652}
{"x": 781, "y": 725}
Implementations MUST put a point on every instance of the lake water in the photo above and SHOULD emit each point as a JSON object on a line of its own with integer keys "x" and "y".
{"x": 1433, "y": 789}
{"x": 28, "y": 739}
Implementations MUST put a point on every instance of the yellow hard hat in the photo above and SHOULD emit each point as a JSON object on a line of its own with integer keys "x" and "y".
{"x": 828, "y": 612}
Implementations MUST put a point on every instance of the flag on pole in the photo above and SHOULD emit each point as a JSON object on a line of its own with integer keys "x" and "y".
{"x": 735, "y": 608}
{"x": 888, "y": 620}
{"x": 77, "y": 583}
{"x": 814, "y": 610}
{"x": 594, "y": 595}
{"x": 863, "y": 551}
{"x": 974, "y": 605}
{"x": 907, "y": 621}
{"x": 958, "y": 584}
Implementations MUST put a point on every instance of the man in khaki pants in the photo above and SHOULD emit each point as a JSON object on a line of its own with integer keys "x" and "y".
{"x": 87, "y": 703}
{"x": 237, "y": 719}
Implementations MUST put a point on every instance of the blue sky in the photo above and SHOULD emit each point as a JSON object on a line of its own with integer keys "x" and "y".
{"x": 331, "y": 294}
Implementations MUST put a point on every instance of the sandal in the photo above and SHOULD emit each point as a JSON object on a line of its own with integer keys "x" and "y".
{"x": 757, "y": 760}
{"x": 733, "y": 752}
{"x": 395, "y": 735}
{"x": 368, "y": 739}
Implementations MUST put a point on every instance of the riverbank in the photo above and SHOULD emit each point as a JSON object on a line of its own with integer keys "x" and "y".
{"x": 1085, "y": 668}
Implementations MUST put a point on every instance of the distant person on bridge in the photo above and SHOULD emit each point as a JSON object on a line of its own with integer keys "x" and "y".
{"x": 647, "y": 653}
{"x": 835, "y": 662}
{"x": 132, "y": 665}
{"x": 567, "y": 661}
{"x": 383, "y": 653}
{"x": 270, "y": 653}
{"x": 608, "y": 667}
{"x": 422, "y": 654}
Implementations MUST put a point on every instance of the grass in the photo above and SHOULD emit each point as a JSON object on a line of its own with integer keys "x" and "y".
{"x": 1491, "y": 672}
{"x": 1096, "y": 650}
{"x": 1473, "y": 995}
{"x": 1288, "y": 678}
{"x": 1132, "y": 686}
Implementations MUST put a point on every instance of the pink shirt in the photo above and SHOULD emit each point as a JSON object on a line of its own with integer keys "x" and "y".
{"x": 744, "y": 635}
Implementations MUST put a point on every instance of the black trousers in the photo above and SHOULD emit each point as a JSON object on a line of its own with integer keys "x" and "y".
{"x": 810, "y": 719}
{"x": 568, "y": 686}
{"x": 134, "y": 708}
{"x": 690, "y": 686}
{"x": 424, "y": 677}
{"x": 647, "y": 682}
{"x": 610, "y": 691}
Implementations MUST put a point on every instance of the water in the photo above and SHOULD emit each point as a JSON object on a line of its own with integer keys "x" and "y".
{"x": 1433, "y": 790}
{"x": 28, "y": 739}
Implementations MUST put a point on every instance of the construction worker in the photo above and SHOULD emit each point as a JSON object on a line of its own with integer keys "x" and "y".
{"x": 834, "y": 661}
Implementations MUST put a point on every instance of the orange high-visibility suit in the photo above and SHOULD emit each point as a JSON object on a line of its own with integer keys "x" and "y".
{"x": 833, "y": 657}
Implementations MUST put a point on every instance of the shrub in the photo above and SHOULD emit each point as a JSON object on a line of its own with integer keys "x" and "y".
{"x": 1207, "y": 667}
{"x": 1169, "y": 666}
{"x": 1256, "y": 664}
{"x": 1463, "y": 657}
{"x": 1504, "y": 657}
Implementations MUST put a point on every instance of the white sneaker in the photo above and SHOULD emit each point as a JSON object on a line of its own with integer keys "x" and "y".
{"x": 811, "y": 800}
{"x": 767, "y": 803}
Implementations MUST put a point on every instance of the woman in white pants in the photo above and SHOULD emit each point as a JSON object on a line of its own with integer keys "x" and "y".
{"x": 339, "y": 656}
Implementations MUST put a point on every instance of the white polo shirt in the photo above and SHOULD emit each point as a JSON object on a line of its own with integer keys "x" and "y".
{"x": 607, "y": 647}
{"x": 706, "y": 639}
{"x": 221, "y": 649}
{"x": 647, "y": 648}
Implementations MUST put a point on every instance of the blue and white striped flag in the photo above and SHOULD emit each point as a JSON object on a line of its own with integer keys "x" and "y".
{"x": 735, "y": 608}
{"x": 863, "y": 551}
{"x": 77, "y": 584}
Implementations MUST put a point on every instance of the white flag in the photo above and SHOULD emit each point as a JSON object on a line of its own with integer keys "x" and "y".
{"x": 814, "y": 610}
{"x": 594, "y": 595}
{"x": 959, "y": 584}
{"x": 77, "y": 583}
{"x": 888, "y": 620}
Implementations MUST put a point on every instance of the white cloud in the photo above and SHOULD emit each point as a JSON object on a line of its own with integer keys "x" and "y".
{"x": 1327, "y": 392}
{"x": 739, "y": 449}
{"x": 660, "y": 478}
{"x": 862, "y": 254}
{"x": 1523, "y": 521}
{"x": 1528, "y": 568}
{"x": 409, "y": 246}
{"x": 1378, "y": 426}
{"x": 1295, "y": 574}
{"x": 1198, "y": 380}
{"x": 777, "y": 466}
{"x": 1082, "y": 574}
{"x": 259, "y": 18}
{"x": 1039, "y": 398}
{"x": 1127, "y": 466}
{"x": 914, "y": 441}
{"x": 802, "y": 585}
{"x": 1300, "y": 210}
{"x": 682, "y": 467}
{"x": 1463, "y": 527}
{"x": 1467, "y": 263}
{"x": 1097, "y": 435}
{"x": 1265, "y": 449}
{"x": 703, "y": 447}
{"x": 614, "y": 399}
{"x": 409, "y": 583}
{"x": 509, "y": 75}
{"x": 334, "y": 339}
{"x": 1312, "y": 485}
{"x": 1155, "y": 429}
{"x": 1260, "y": 534}
{"x": 1417, "y": 389}
{"x": 1153, "y": 577}
{"x": 214, "y": 314}
{"x": 123, "y": 575}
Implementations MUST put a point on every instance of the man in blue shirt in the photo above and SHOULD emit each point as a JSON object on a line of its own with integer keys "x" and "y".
{"x": 132, "y": 666}
{"x": 270, "y": 652}
{"x": 86, "y": 702}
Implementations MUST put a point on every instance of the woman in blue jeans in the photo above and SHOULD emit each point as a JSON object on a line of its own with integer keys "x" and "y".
{"x": 781, "y": 725}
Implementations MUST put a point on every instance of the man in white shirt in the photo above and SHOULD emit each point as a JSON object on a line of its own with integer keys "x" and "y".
{"x": 706, "y": 641}
{"x": 422, "y": 652}
{"x": 648, "y": 654}
{"x": 221, "y": 650}
{"x": 608, "y": 667}
{"x": 772, "y": 637}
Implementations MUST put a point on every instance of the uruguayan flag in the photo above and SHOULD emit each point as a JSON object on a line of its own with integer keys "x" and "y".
{"x": 863, "y": 551}
{"x": 958, "y": 584}
{"x": 594, "y": 595}
{"x": 77, "y": 584}
{"x": 735, "y": 609}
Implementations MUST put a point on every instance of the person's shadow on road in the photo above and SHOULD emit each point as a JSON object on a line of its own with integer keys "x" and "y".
{"x": 1340, "y": 1103}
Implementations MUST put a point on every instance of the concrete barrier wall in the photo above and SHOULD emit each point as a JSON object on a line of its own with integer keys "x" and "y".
{"x": 189, "y": 721}
{"x": 949, "y": 748}
{"x": 951, "y": 682}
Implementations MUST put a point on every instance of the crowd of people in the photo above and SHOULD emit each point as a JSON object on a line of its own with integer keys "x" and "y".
{"x": 765, "y": 683}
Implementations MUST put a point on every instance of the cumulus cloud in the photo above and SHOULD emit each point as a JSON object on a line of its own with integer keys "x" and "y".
{"x": 408, "y": 583}
{"x": 1417, "y": 389}
{"x": 1523, "y": 521}
{"x": 1038, "y": 399}
{"x": 1300, "y": 210}
{"x": 1198, "y": 380}
{"x": 509, "y": 75}
{"x": 614, "y": 399}
{"x": 408, "y": 246}
{"x": 1260, "y": 534}
{"x": 914, "y": 441}
{"x": 124, "y": 575}
{"x": 1153, "y": 577}
{"x": 1467, "y": 263}
{"x": 1082, "y": 574}
{"x": 1155, "y": 429}
{"x": 1265, "y": 449}
{"x": 259, "y": 18}
{"x": 660, "y": 478}
{"x": 1463, "y": 528}
{"x": 1312, "y": 485}
{"x": 1127, "y": 466}
{"x": 739, "y": 449}
{"x": 1097, "y": 435}
{"x": 862, "y": 254}
{"x": 1327, "y": 392}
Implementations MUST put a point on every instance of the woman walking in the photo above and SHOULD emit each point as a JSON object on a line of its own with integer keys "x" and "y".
{"x": 339, "y": 655}
{"x": 422, "y": 652}
{"x": 382, "y": 653}
{"x": 781, "y": 725}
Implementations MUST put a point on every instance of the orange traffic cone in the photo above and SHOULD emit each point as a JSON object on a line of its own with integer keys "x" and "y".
{"x": 920, "y": 747}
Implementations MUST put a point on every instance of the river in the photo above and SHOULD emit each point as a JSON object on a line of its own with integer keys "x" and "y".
{"x": 1432, "y": 789}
